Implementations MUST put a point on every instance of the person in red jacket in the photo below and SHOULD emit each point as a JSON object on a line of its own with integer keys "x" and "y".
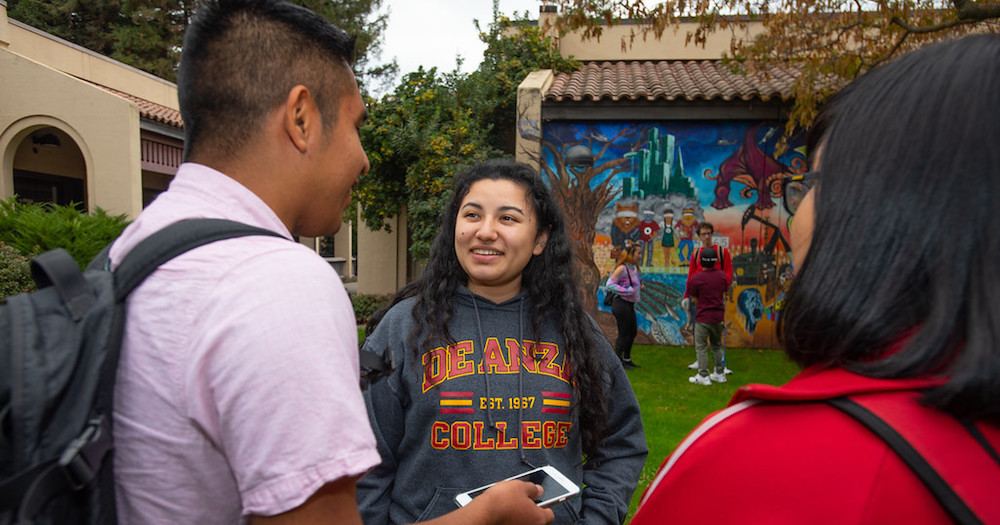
{"x": 879, "y": 317}
{"x": 707, "y": 290}
{"x": 706, "y": 231}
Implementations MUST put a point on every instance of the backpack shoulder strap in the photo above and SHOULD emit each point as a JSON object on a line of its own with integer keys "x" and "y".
{"x": 172, "y": 241}
{"x": 911, "y": 443}
{"x": 58, "y": 269}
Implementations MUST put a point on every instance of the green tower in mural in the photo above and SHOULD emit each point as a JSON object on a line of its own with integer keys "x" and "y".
{"x": 656, "y": 170}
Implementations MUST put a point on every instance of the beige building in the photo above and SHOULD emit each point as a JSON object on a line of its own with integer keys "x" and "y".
{"x": 76, "y": 126}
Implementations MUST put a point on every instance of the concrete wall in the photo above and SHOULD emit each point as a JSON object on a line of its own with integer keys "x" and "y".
{"x": 382, "y": 258}
{"x": 98, "y": 131}
{"x": 528, "y": 148}
{"x": 670, "y": 46}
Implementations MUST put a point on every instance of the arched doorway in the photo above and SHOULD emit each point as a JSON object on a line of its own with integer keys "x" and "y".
{"x": 49, "y": 167}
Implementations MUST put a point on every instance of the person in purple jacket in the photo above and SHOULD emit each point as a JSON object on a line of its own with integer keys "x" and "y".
{"x": 707, "y": 289}
{"x": 626, "y": 282}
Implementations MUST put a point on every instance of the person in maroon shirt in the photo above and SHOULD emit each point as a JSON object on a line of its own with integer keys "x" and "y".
{"x": 706, "y": 290}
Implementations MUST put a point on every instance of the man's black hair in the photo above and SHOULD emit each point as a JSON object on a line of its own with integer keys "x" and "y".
{"x": 240, "y": 60}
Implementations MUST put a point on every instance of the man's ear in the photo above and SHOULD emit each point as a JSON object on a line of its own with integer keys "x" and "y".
{"x": 300, "y": 117}
{"x": 540, "y": 241}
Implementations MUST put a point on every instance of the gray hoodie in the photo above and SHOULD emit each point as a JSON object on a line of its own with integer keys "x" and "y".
{"x": 473, "y": 415}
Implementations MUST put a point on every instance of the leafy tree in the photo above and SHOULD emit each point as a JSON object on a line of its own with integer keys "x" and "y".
{"x": 87, "y": 23}
{"x": 830, "y": 41}
{"x": 432, "y": 126}
{"x": 417, "y": 138}
{"x": 514, "y": 48}
{"x": 365, "y": 19}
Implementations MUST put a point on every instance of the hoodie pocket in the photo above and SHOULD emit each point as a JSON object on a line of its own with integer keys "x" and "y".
{"x": 441, "y": 503}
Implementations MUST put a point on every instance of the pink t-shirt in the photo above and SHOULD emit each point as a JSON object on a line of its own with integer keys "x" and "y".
{"x": 237, "y": 389}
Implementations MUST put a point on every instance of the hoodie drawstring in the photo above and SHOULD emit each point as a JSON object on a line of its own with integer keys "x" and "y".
{"x": 520, "y": 377}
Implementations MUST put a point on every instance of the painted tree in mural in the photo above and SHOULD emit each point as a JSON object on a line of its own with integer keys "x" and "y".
{"x": 583, "y": 191}
{"x": 830, "y": 41}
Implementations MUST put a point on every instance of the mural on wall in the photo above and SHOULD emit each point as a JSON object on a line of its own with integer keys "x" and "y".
{"x": 652, "y": 183}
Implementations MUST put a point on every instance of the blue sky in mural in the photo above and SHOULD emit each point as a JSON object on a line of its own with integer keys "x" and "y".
{"x": 701, "y": 145}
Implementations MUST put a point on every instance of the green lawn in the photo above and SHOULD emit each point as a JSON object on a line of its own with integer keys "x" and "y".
{"x": 672, "y": 407}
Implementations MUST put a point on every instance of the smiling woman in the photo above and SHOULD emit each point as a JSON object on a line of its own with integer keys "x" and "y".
{"x": 499, "y": 368}
{"x": 496, "y": 234}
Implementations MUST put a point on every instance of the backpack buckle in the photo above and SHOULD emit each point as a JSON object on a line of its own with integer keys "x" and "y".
{"x": 82, "y": 458}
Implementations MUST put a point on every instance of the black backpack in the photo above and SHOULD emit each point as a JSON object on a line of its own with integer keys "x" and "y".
{"x": 58, "y": 358}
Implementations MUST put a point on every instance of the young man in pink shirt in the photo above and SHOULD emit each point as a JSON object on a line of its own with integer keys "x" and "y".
{"x": 237, "y": 398}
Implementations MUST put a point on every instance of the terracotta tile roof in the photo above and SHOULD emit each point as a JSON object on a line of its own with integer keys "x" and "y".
{"x": 151, "y": 110}
{"x": 667, "y": 80}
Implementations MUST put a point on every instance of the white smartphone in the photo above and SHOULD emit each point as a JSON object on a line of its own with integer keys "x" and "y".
{"x": 556, "y": 487}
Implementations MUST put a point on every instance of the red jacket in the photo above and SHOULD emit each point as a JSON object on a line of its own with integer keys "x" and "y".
{"x": 765, "y": 462}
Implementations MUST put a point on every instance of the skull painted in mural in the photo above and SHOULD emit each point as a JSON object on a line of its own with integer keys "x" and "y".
{"x": 751, "y": 307}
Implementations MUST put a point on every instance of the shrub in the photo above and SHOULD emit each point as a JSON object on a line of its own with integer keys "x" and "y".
{"x": 15, "y": 272}
{"x": 366, "y": 305}
{"x": 32, "y": 228}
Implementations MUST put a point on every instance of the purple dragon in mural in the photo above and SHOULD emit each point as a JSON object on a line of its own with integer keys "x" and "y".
{"x": 753, "y": 168}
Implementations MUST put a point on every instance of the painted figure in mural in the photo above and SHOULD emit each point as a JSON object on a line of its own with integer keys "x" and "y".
{"x": 751, "y": 307}
{"x": 756, "y": 170}
{"x": 624, "y": 227}
{"x": 686, "y": 228}
{"x": 707, "y": 290}
{"x": 498, "y": 366}
{"x": 626, "y": 283}
{"x": 648, "y": 228}
{"x": 894, "y": 333}
{"x": 669, "y": 239}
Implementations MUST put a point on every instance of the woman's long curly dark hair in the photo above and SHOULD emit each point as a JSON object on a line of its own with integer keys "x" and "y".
{"x": 549, "y": 279}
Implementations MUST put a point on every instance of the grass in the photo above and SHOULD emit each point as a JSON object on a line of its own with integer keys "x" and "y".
{"x": 672, "y": 407}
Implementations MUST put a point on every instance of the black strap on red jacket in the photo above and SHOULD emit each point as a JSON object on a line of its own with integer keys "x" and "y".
{"x": 952, "y": 503}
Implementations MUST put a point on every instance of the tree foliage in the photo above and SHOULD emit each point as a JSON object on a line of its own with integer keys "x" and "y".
{"x": 514, "y": 48}
{"x": 831, "y": 42}
{"x": 147, "y": 34}
{"x": 433, "y": 126}
{"x": 417, "y": 138}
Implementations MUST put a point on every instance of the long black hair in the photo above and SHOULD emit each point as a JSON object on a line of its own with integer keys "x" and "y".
{"x": 905, "y": 248}
{"x": 548, "y": 279}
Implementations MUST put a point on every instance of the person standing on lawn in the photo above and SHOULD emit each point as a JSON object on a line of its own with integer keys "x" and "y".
{"x": 707, "y": 290}
{"x": 625, "y": 283}
{"x": 706, "y": 232}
